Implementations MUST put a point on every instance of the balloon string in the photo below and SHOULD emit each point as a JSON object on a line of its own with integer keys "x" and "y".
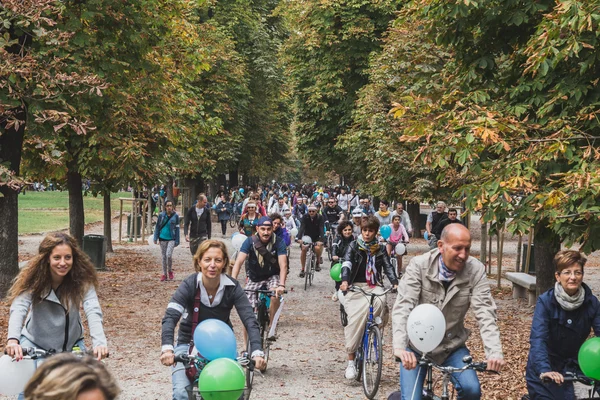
{"x": 412, "y": 396}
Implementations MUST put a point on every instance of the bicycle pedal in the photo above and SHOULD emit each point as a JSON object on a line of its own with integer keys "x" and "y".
{"x": 272, "y": 339}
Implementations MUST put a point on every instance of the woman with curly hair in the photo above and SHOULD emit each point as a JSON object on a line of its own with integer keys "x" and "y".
{"x": 49, "y": 292}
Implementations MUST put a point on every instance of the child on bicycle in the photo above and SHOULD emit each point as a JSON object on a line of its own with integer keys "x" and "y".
{"x": 399, "y": 235}
{"x": 364, "y": 264}
{"x": 340, "y": 245}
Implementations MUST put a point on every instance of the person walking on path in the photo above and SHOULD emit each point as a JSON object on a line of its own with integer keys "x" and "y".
{"x": 167, "y": 233}
{"x": 197, "y": 227}
{"x": 224, "y": 210}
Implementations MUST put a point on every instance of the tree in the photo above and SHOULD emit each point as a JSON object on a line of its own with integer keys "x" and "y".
{"x": 327, "y": 57}
{"x": 516, "y": 116}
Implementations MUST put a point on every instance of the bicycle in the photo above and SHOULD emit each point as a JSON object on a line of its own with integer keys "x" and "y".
{"x": 189, "y": 361}
{"x": 310, "y": 265}
{"x": 447, "y": 372}
{"x": 261, "y": 310}
{"x": 329, "y": 242}
{"x": 368, "y": 358}
{"x": 576, "y": 377}
{"x": 234, "y": 218}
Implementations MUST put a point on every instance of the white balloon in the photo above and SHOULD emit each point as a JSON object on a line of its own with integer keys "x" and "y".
{"x": 14, "y": 375}
{"x": 306, "y": 239}
{"x": 426, "y": 327}
{"x": 294, "y": 233}
{"x": 400, "y": 249}
{"x": 237, "y": 241}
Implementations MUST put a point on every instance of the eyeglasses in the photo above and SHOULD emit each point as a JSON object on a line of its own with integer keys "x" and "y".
{"x": 578, "y": 274}
{"x": 251, "y": 208}
{"x": 312, "y": 212}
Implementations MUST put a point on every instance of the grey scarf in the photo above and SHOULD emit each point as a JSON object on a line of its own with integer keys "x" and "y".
{"x": 568, "y": 303}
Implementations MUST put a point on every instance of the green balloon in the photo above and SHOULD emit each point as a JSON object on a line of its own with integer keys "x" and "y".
{"x": 589, "y": 358}
{"x": 222, "y": 379}
{"x": 336, "y": 272}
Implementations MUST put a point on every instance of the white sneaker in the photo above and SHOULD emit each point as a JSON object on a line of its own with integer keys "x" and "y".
{"x": 351, "y": 372}
{"x": 334, "y": 297}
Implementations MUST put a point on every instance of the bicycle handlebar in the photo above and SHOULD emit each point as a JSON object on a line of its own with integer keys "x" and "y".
{"x": 186, "y": 359}
{"x": 265, "y": 291}
{"x": 359, "y": 289}
{"x": 573, "y": 377}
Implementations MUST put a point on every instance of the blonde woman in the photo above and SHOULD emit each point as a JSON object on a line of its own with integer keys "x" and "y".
{"x": 67, "y": 377}
{"x": 46, "y": 298}
{"x": 218, "y": 294}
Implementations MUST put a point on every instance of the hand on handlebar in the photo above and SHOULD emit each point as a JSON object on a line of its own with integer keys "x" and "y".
{"x": 259, "y": 363}
{"x": 100, "y": 352}
{"x": 495, "y": 364}
{"x": 395, "y": 289}
{"x": 14, "y": 349}
{"x": 167, "y": 358}
{"x": 554, "y": 376}
{"x": 407, "y": 358}
{"x": 344, "y": 286}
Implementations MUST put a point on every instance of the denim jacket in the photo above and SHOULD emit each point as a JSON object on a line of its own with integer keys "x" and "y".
{"x": 173, "y": 223}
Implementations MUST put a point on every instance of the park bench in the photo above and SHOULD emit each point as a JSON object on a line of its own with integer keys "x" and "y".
{"x": 523, "y": 286}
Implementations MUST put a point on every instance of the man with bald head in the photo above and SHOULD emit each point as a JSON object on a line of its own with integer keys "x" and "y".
{"x": 453, "y": 281}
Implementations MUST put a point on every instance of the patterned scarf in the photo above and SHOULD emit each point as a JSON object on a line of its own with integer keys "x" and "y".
{"x": 384, "y": 213}
{"x": 445, "y": 274}
{"x": 269, "y": 246}
{"x": 371, "y": 249}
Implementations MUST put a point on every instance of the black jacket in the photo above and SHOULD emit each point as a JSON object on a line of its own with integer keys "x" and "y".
{"x": 197, "y": 228}
{"x": 182, "y": 305}
{"x": 354, "y": 256}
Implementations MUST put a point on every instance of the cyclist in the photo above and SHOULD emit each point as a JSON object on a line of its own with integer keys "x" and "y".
{"x": 343, "y": 200}
{"x": 267, "y": 263}
{"x": 311, "y": 225}
{"x": 249, "y": 219}
{"x": 208, "y": 293}
{"x": 300, "y": 210}
{"x": 434, "y": 223}
{"x": 340, "y": 245}
{"x": 364, "y": 264}
{"x": 46, "y": 297}
{"x": 280, "y": 230}
{"x": 453, "y": 281}
{"x": 332, "y": 213}
{"x": 357, "y": 217}
{"x": 384, "y": 214}
{"x": 399, "y": 235}
{"x": 279, "y": 207}
{"x": 405, "y": 217}
{"x": 288, "y": 220}
{"x": 562, "y": 320}
{"x": 67, "y": 376}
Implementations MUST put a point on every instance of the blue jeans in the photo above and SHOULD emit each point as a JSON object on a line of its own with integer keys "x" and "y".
{"x": 24, "y": 342}
{"x": 178, "y": 376}
{"x": 466, "y": 382}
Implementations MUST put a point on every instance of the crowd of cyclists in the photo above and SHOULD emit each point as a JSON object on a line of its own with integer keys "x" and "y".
{"x": 47, "y": 294}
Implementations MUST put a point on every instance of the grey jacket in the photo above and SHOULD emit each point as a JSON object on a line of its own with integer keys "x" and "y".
{"x": 50, "y": 326}
{"x": 420, "y": 285}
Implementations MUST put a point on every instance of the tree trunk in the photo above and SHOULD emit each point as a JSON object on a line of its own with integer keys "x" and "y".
{"x": 76, "y": 214}
{"x": 483, "y": 245}
{"x": 233, "y": 178}
{"x": 11, "y": 146}
{"x": 169, "y": 189}
{"x": 547, "y": 244}
{"x": 107, "y": 221}
{"x": 414, "y": 211}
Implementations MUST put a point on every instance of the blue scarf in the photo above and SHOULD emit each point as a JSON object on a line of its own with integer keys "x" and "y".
{"x": 445, "y": 274}
{"x": 371, "y": 249}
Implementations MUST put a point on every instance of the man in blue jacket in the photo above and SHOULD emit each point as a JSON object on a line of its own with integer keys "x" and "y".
{"x": 167, "y": 233}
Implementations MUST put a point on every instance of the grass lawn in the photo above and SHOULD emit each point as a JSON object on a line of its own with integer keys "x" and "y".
{"x": 49, "y": 211}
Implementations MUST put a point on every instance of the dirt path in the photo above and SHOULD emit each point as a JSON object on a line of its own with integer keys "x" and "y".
{"x": 308, "y": 359}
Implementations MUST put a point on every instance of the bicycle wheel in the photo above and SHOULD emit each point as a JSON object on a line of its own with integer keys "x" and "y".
{"x": 330, "y": 248}
{"x": 263, "y": 323}
{"x": 249, "y": 374}
{"x": 313, "y": 263}
{"x": 343, "y": 316}
{"x": 372, "y": 363}
{"x": 358, "y": 362}
{"x": 233, "y": 220}
{"x": 307, "y": 269}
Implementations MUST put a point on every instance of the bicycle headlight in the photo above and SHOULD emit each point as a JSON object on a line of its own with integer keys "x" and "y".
{"x": 378, "y": 320}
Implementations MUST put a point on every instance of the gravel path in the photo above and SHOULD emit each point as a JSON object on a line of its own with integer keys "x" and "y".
{"x": 308, "y": 359}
